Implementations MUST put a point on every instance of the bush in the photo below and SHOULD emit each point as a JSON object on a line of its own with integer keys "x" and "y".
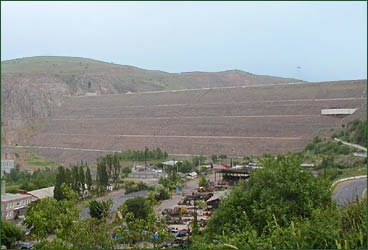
{"x": 10, "y": 234}
{"x": 131, "y": 187}
{"x": 126, "y": 171}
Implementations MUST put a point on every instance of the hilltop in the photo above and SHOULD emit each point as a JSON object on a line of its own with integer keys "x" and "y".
{"x": 83, "y": 75}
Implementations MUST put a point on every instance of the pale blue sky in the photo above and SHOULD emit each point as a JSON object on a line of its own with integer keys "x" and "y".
{"x": 327, "y": 40}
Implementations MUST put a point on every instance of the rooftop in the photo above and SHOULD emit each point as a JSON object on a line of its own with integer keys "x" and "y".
{"x": 337, "y": 111}
{"x": 42, "y": 193}
{"x": 9, "y": 197}
{"x": 170, "y": 163}
{"x": 217, "y": 195}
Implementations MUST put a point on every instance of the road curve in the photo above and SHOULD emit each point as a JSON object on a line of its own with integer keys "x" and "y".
{"x": 117, "y": 197}
{"x": 349, "y": 191}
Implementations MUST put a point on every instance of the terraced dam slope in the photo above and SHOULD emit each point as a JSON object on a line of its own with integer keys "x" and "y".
{"x": 236, "y": 121}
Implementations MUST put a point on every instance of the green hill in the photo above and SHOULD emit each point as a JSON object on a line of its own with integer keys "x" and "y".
{"x": 85, "y": 74}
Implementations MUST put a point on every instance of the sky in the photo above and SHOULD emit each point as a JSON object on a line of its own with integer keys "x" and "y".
{"x": 312, "y": 41}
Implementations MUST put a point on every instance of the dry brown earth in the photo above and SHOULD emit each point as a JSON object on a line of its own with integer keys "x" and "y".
{"x": 234, "y": 121}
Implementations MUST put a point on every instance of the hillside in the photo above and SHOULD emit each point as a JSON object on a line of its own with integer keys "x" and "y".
{"x": 234, "y": 121}
{"x": 33, "y": 87}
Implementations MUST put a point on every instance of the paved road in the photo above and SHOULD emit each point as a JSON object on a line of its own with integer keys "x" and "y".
{"x": 177, "y": 136}
{"x": 118, "y": 198}
{"x": 196, "y": 89}
{"x": 349, "y": 191}
{"x": 237, "y": 102}
{"x": 360, "y": 147}
{"x": 189, "y": 187}
{"x": 182, "y": 117}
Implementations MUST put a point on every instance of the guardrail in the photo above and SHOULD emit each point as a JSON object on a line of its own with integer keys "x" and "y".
{"x": 348, "y": 179}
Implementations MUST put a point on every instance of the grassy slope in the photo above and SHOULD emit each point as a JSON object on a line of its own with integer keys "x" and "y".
{"x": 341, "y": 162}
{"x": 127, "y": 78}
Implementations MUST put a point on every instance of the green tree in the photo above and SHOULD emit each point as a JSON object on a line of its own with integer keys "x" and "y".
{"x": 203, "y": 182}
{"x": 185, "y": 166}
{"x": 214, "y": 158}
{"x": 82, "y": 178}
{"x": 10, "y": 234}
{"x": 280, "y": 190}
{"x": 75, "y": 179}
{"x": 68, "y": 177}
{"x": 47, "y": 215}
{"x": 99, "y": 209}
{"x": 135, "y": 229}
{"x": 83, "y": 234}
{"x": 60, "y": 179}
{"x": 88, "y": 178}
{"x": 116, "y": 168}
{"x": 102, "y": 176}
{"x": 139, "y": 207}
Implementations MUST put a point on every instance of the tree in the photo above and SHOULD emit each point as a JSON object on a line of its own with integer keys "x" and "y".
{"x": 75, "y": 179}
{"x": 116, "y": 168}
{"x": 83, "y": 234}
{"x": 214, "y": 158}
{"x": 185, "y": 166}
{"x": 195, "y": 228}
{"x": 280, "y": 190}
{"x": 102, "y": 176}
{"x": 135, "y": 229}
{"x": 88, "y": 178}
{"x": 198, "y": 160}
{"x": 99, "y": 209}
{"x": 140, "y": 207}
{"x": 60, "y": 179}
{"x": 68, "y": 177}
{"x": 47, "y": 215}
{"x": 203, "y": 182}
{"x": 10, "y": 234}
{"x": 82, "y": 178}
{"x": 108, "y": 162}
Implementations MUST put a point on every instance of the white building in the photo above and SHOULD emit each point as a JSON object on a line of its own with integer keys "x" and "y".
{"x": 337, "y": 112}
{"x": 6, "y": 166}
{"x": 13, "y": 206}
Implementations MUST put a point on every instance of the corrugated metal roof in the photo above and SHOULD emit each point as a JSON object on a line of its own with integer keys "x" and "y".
{"x": 170, "y": 163}
{"x": 217, "y": 195}
{"x": 43, "y": 192}
{"x": 9, "y": 197}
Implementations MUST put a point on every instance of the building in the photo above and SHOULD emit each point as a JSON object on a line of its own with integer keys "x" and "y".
{"x": 214, "y": 201}
{"x": 307, "y": 165}
{"x": 13, "y": 206}
{"x": 42, "y": 193}
{"x": 170, "y": 163}
{"x": 230, "y": 175}
{"x": 337, "y": 112}
{"x": 6, "y": 166}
